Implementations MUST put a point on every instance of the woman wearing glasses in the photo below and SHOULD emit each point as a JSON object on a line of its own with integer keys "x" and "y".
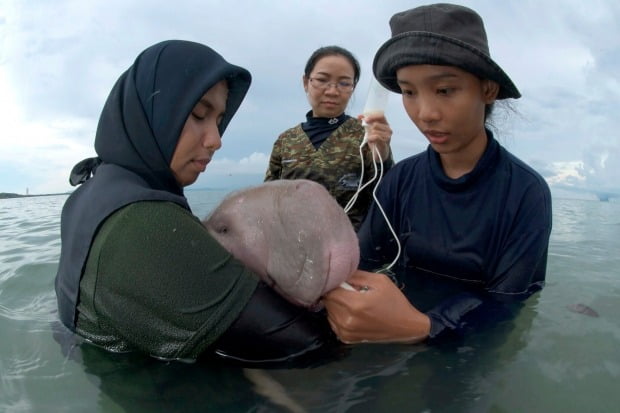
{"x": 326, "y": 147}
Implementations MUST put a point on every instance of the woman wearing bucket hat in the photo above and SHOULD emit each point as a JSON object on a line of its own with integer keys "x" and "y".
{"x": 473, "y": 221}
{"x": 326, "y": 147}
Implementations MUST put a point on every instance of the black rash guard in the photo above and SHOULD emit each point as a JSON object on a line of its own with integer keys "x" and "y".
{"x": 486, "y": 233}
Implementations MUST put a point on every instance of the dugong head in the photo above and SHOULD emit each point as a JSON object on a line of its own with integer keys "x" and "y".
{"x": 292, "y": 234}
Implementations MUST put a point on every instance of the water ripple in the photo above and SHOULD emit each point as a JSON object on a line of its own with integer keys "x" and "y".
{"x": 551, "y": 351}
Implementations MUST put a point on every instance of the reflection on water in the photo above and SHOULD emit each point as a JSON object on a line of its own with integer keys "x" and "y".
{"x": 548, "y": 358}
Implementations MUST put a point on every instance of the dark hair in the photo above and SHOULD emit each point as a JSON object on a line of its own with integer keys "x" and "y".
{"x": 333, "y": 51}
{"x": 498, "y": 114}
{"x": 488, "y": 111}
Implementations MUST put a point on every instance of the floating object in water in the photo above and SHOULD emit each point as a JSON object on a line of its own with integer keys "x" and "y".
{"x": 582, "y": 309}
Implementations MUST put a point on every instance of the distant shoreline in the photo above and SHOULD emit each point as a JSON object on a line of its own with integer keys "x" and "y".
{"x": 8, "y": 195}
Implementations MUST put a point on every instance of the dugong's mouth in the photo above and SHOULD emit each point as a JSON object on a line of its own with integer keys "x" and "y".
{"x": 304, "y": 286}
{"x": 311, "y": 283}
{"x": 268, "y": 279}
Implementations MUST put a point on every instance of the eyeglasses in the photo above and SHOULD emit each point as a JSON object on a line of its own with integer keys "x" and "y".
{"x": 324, "y": 84}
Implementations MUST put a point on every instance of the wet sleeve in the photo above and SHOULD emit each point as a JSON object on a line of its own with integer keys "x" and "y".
{"x": 164, "y": 284}
{"x": 272, "y": 331}
{"x": 522, "y": 263}
{"x": 518, "y": 272}
{"x": 469, "y": 311}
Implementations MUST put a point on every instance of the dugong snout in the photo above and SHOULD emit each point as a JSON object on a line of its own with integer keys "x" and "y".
{"x": 292, "y": 234}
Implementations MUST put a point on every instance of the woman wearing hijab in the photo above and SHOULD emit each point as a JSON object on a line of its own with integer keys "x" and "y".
{"x": 473, "y": 221}
{"x": 138, "y": 271}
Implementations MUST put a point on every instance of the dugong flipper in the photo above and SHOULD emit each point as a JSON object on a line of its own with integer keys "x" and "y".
{"x": 292, "y": 234}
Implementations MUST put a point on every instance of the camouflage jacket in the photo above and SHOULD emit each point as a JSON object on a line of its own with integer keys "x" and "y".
{"x": 336, "y": 164}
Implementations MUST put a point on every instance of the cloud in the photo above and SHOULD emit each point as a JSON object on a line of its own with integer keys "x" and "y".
{"x": 601, "y": 167}
{"x": 256, "y": 163}
{"x": 563, "y": 173}
{"x": 59, "y": 60}
{"x": 38, "y": 154}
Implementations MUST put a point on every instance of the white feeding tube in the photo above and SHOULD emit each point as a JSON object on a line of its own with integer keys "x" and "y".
{"x": 375, "y": 102}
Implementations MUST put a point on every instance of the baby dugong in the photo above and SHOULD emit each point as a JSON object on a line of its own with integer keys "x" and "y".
{"x": 292, "y": 234}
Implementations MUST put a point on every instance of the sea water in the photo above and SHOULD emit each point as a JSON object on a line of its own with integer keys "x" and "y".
{"x": 550, "y": 358}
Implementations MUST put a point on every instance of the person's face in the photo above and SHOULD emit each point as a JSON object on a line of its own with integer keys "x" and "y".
{"x": 200, "y": 137}
{"x": 447, "y": 105}
{"x": 329, "y": 86}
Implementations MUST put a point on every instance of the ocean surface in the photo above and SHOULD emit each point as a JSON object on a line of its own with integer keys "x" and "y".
{"x": 561, "y": 354}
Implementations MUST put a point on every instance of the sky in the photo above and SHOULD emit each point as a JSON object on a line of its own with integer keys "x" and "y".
{"x": 60, "y": 58}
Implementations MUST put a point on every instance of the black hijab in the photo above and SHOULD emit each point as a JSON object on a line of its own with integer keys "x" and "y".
{"x": 137, "y": 134}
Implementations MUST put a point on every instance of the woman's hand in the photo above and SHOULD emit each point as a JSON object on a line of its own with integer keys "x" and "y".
{"x": 376, "y": 312}
{"x": 379, "y": 134}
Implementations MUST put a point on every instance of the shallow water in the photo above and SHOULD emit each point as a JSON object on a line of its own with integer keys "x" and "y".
{"x": 550, "y": 358}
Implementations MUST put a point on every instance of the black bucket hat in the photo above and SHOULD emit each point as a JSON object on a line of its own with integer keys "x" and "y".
{"x": 439, "y": 34}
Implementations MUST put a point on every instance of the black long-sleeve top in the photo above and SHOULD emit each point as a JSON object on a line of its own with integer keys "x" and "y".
{"x": 478, "y": 241}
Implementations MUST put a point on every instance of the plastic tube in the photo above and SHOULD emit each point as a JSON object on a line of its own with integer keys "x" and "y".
{"x": 376, "y": 100}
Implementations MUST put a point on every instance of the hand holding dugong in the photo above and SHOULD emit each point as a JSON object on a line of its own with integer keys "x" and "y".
{"x": 292, "y": 234}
